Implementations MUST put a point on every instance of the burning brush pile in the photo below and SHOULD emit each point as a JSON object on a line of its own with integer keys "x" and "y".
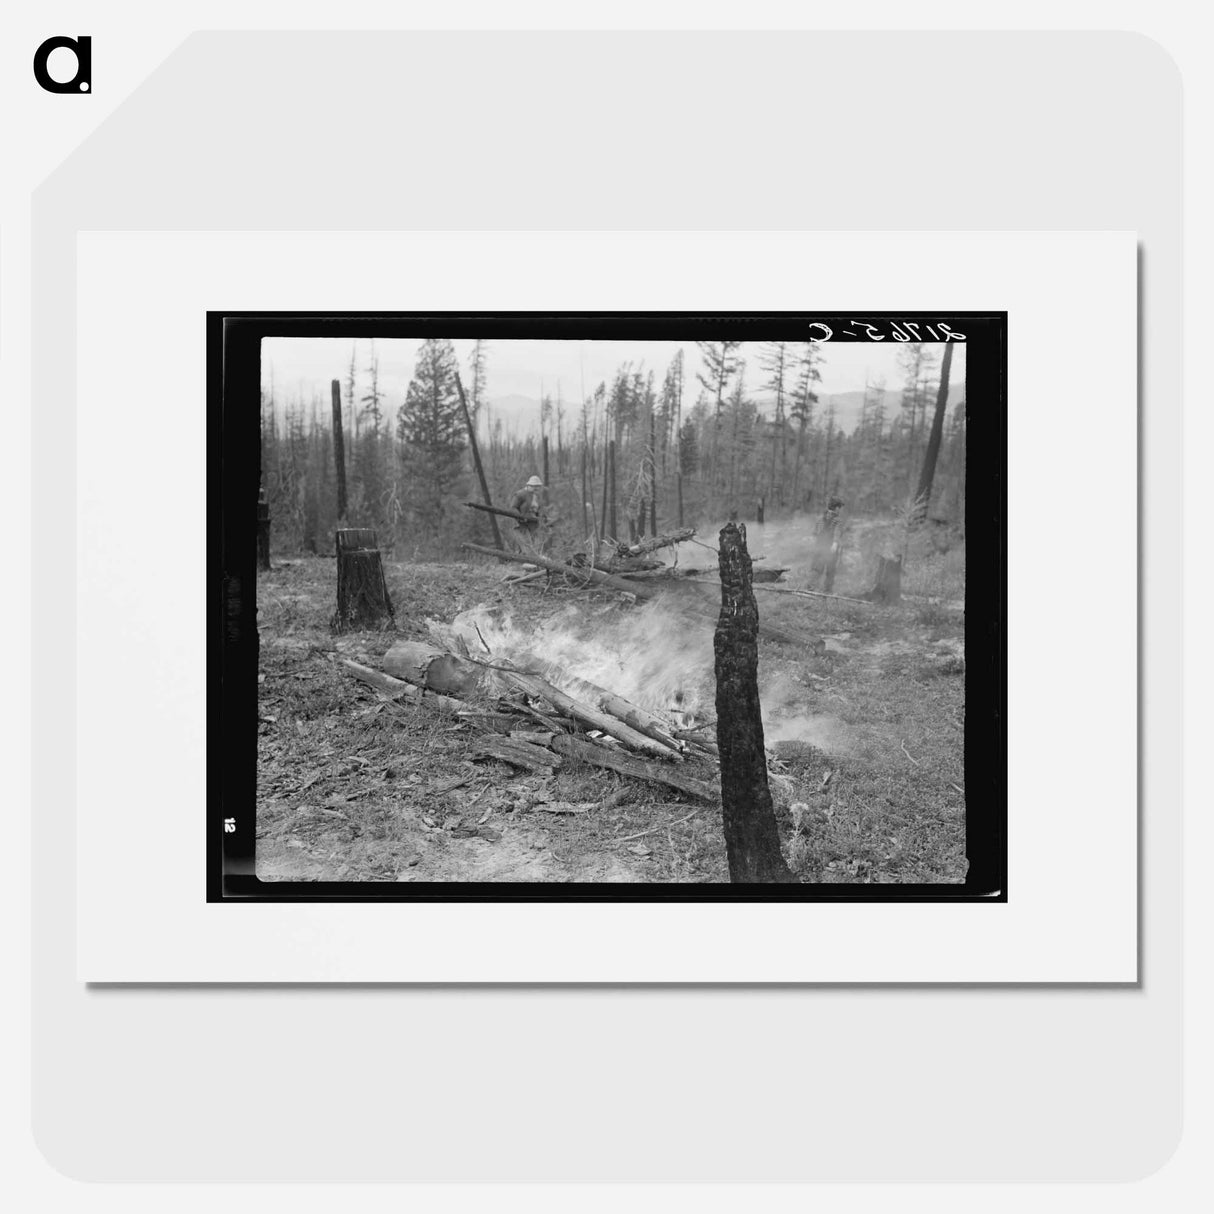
{"x": 626, "y": 686}
{"x": 623, "y": 690}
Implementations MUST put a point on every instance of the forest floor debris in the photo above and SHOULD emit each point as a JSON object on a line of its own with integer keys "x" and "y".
{"x": 353, "y": 786}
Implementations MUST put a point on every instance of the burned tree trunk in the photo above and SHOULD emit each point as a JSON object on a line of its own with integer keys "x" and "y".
{"x": 923, "y": 494}
{"x": 362, "y": 593}
{"x": 476, "y": 458}
{"x": 263, "y": 531}
{"x": 612, "y": 524}
{"x": 606, "y": 491}
{"x": 585, "y": 500}
{"x": 888, "y": 586}
{"x": 339, "y": 452}
{"x": 752, "y": 840}
{"x": 653, "y": 476}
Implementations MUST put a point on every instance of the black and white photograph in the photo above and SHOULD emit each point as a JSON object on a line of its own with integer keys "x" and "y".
{"x": 575, "y": 605}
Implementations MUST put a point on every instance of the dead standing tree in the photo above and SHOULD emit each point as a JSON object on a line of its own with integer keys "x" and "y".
{"x": 339, "y": 451}
{"x": 752, "y": 839}
{"x": 263, "y": 530}
{"x": 476, "y": 456}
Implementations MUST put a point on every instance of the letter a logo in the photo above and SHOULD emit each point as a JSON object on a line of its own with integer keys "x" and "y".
{"x": 82, "y": 81}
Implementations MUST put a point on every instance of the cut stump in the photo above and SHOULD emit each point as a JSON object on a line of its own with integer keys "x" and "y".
{"x": 363, "y": 602}
{"x": 888, "y": 587}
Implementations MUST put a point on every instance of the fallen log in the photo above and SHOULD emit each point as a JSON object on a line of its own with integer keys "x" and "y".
{"x": 436, "y": 670}
{"x": 490, "y": 722}
{"x": 396, "y": 689}
{"x": 535, "y": 737}
{"x": 700, "y": 744}
{"x": 550, "y": 724}
{"x": 625, "y": 566}
{"x": 585, "y": 751}
{"x": 537, "y": 759}
{"x": 588, "y": 714}
{"x": 659, "y": 541}
{"x": 514, "y": 514}
{"x": 665, "y": 574}
{"x": 641, "y": 719}
{"x": 640, "y": 589}
{"x": 813, "y": 594}
{"x": 581, "y": 572}
{"x": 423, "y": 665}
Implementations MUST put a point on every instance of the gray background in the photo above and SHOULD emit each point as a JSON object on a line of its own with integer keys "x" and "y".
{"x": 615, "y": 131}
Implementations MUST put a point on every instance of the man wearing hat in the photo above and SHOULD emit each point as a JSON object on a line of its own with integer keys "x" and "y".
{"x": 528, "y": 502}
{"x": 825, "y": 558}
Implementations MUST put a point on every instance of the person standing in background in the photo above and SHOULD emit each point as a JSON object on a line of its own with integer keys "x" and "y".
{"x": 529, "y": 503}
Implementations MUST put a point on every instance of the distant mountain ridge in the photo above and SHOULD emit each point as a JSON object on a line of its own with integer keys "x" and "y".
{"x": 849, "y": 405}
{"x": 520, "y": 415}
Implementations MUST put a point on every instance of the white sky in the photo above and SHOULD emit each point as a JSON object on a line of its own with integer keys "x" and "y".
{"x": 305, "y": 365}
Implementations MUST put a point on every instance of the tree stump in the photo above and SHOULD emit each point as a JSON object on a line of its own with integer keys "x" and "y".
{"x": 362, "y": 593}
{"x": 263, "y": 531}
{"x": 888, "y": 586}
{"x": 752, "y": 839}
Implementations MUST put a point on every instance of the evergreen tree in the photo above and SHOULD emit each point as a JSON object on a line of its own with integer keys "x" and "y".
{"x": 802, "y": 409}
{"x": 672, "y": 406}
{"x": 775, "y": 359}
{"x": 720, "y": 363}
{"x": 430, "y": 428}
{"x": 622, "y": 403}
{"x": 689, "y": 448}
{"x": 477, "y": 379}
{"x": 370, "y": 457}
{"x": 740, "y": 414}
{"x": 827, "y": 485}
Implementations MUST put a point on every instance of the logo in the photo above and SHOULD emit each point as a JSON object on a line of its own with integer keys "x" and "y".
{"x": 82, "y": 49}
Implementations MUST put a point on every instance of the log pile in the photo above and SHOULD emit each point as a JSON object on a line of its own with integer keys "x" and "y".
{"x": 587, "y": 576}
{"x": 522, "y": 718}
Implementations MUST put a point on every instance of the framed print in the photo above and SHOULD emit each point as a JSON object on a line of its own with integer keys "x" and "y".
{"x": 480, "y": 641}
{"x": 517, "y": 767}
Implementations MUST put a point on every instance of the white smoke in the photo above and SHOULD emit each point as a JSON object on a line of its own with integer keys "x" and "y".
{"x": 654, "y": 655}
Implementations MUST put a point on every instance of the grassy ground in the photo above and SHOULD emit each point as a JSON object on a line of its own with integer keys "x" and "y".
{"x": 352, "y": 788}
